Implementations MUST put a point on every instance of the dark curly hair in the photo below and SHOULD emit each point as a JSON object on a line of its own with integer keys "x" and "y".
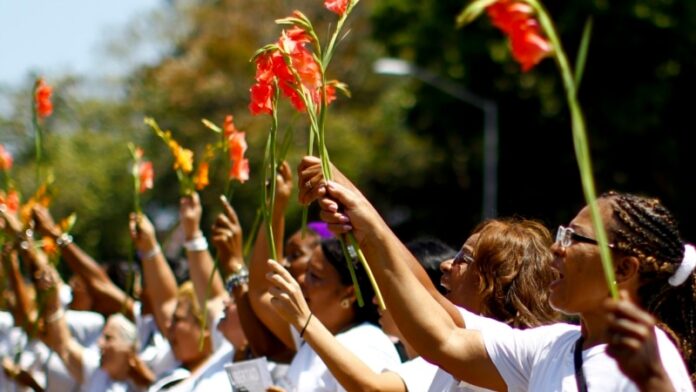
{"x": 334, "y": 255}
{"x": 645, "y": 229}
{"x": 512, "y": 259}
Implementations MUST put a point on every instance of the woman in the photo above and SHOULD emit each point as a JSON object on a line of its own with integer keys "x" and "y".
{"x": 647, "y": 251}
{"x": 502, "y": 271}
{"x": 331, "y": 298}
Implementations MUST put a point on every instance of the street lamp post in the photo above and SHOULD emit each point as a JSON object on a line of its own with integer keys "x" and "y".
{"x": 397, "y": 67}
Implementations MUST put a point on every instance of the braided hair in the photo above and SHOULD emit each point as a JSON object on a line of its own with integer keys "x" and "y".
{"x": 645, "y": 229}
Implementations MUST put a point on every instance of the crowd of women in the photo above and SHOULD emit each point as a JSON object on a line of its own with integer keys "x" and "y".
{"x": 512, "y": 309}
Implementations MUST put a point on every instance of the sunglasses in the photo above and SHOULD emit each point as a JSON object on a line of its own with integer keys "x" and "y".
{"x": 565, "y": 236}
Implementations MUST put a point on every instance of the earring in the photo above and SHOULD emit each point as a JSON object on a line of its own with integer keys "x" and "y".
{"x": 345, "y": 303}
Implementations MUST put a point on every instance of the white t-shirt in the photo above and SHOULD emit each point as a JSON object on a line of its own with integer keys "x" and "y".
{"x": 420, "y": 375}
{"x": 155, "y": 350}
{"x": 96, "y": 380}
{"x": 308, "y": 372}
{"x": 541, "y": 359}
{"x": 211, "y": 376}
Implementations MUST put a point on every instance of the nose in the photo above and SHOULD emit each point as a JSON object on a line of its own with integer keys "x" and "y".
{"x": 374, "y": 300}
{"x": 446, "y": 266}
{"x": 557, "y": 249}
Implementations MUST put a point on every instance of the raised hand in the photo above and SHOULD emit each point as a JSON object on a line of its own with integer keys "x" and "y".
{"x": 227, "y": 238}
{"x": 142, "y": 233}
{"x": 44, "y": 222}
{"x": 633, "y": 343}
{"x": 190, "y": 212}
{"x": 283, "y": 183}
{"x": 287, "y": 298}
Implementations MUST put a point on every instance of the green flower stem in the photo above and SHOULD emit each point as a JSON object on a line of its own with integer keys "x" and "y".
{"x": 204, "y": 320}
{"x": 38, "y": 138}
{"x": 580, "y": 143}
{"x": 254, "y": 232}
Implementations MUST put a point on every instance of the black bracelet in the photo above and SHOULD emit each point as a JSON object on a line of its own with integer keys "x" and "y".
{"x": 306, "y": 324}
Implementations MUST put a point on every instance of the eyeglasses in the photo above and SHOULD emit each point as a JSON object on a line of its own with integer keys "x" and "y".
{"x": 566, "y": 235}
{"x": 463, "y": 257}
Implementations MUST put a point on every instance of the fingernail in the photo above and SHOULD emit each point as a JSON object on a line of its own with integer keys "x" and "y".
{"x": 344, "y": 219}
{"x": 347, "y": 227}
{"x": 333, "y": 208}
{"x": 223, "y": 198}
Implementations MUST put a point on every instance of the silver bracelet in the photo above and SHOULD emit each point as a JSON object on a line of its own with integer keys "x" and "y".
{"x": 197, "y": 244}
{"x": 150, "y": 254}
{"x": 64, "y": 240}
{"x": 237, "y": 279}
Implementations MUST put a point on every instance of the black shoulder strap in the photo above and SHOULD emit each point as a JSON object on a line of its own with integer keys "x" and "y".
{"x": 577, "y": 359}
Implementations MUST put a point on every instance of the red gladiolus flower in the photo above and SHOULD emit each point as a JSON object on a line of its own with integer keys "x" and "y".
{"x": 5, "y": 159}
{"x": 228, "y": 126}
{"x": 240, "y": 166}
{"x": 330, "y": 94}
{"x": 337, "y": 6}
{"x": 44, "y": 107}
{"x": 507, "y": 15}
{"x": 264, "y": 69}
{"x": 240, "y": 171}
{"x": 261, "y": 99}
{"x": 529, "y": 47}
{"x": 11, "y": 200}
{"x": 201, "y": 180}
{"x": 146, "y": 174}
{"x": 516, "y": 20}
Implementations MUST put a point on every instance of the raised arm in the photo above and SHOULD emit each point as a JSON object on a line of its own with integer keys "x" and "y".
{"x": 10, "y": 265}
{"x": 310, "y": 175}
{"x": 108, "y": 298}
{"x": 227, "y": 237}
{"x": 200, "y": 262}
{"x": 433, "y": 333}
{"x": 55, "y": 333}
{"x": 158, "y": 278}
{"x": 259, "y": 297}
{"x": 352, "y": 373}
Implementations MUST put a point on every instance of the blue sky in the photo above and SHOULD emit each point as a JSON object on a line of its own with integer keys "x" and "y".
{"x": 53, "y": 37}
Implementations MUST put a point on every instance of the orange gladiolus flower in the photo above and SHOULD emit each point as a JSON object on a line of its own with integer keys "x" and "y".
{"x": 240, "y": 166}
{"x": 183, "y": 157}
{"x": 517, "y": 21}
{"x": 201, "y": 180}
{"x": 44, "y": 107}
{"x": 5, "y": 159}
{"x": 146, "y": 174}
{"x": 49, "y": 246}
{"x": 337, "y": 6}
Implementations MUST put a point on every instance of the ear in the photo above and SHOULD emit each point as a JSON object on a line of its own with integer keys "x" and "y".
{"x": 626, "y": 268}
{"x": 349, "y": 294}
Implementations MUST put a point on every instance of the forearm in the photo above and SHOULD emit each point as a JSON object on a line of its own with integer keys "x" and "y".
{"x": 160, "y": 284}
{"x": 391, "y": 264}
{"x": 352, "y": 373}
{"x": 260, "y": 339}
{"x": 23, "y": 304}
{"x": 259, "y": 299}
{"x": 201, "y": 267}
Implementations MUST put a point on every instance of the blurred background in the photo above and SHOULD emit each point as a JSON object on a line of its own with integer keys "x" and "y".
{"x": 412, "y": 136}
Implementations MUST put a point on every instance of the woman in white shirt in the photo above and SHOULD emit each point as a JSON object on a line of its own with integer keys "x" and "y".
{"x": 648, "y": 255}
{"x": 330, "y": 296}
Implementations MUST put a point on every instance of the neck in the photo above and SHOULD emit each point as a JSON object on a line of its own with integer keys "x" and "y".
{"x": 594, "y": 327}
{"x": 196, "y": 363}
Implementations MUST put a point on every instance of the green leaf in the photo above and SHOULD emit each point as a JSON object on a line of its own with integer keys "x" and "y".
{"x": 473, "y": 11}
{"x": 582, "y": 53}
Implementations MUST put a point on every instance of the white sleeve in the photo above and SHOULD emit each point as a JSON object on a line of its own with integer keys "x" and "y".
{"x": 90, "y": 365}
{"x": 416, "y": 374}
{"x": 514, "y": 352}
{"x": 86, "y": 327}
{"x": 673, "y": 363}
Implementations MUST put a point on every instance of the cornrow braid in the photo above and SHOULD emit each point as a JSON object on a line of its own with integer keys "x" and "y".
{"x": 644, "y": 228}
